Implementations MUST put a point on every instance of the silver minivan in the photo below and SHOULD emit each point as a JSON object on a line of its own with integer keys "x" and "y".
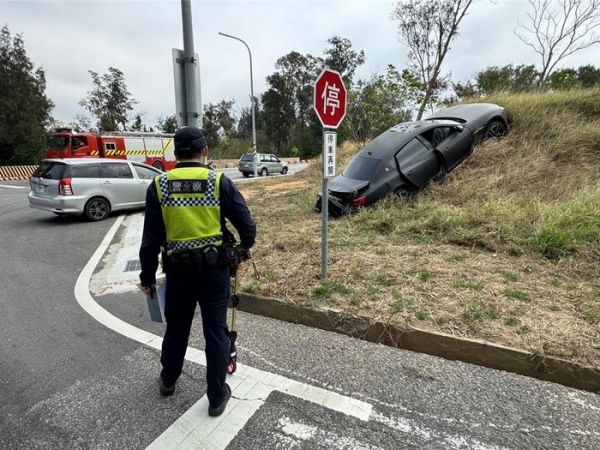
{"x": 266, "y": 164}
{"x": 90, "y": 186}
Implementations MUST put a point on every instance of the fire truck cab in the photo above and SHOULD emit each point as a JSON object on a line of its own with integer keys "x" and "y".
{"x": 155, "y": 149}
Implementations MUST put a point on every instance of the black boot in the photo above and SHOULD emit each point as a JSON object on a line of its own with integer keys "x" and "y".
{"x": 218, "y": 410}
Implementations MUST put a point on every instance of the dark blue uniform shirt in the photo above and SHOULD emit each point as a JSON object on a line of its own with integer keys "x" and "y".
{"x": 233, "y": 208}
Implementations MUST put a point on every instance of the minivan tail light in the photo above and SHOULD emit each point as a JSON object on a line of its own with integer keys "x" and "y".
{"x": 360, "y": 201}
{"x": 64, "y": 187}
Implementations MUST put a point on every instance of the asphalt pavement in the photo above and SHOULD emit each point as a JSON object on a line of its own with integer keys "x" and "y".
{"x": 70, "y": 381}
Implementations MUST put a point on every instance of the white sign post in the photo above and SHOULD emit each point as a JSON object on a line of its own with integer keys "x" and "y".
{"x": 330, "y": 105}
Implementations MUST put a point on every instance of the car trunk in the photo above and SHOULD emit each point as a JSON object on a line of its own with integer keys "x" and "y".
{"x": 46, "y": 179}
{"x": 347, "y": 188}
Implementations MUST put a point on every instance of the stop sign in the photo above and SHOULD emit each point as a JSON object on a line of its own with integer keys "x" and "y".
{"x": 330, "y": 98}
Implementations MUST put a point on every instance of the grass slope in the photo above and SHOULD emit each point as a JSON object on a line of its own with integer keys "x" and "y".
{"x": 505, "y": 249}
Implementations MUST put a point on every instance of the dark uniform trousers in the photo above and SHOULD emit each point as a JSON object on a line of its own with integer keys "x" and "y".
{"x": 210, "y": 289}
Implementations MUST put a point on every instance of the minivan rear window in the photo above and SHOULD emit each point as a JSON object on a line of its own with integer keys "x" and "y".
{"x": 248, "y": 157}
{"x": 51, "y": 170}
{"x": 85, "y": 171}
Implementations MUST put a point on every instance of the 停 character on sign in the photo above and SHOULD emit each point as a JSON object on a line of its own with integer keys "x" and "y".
{"x": 331, "y": 99}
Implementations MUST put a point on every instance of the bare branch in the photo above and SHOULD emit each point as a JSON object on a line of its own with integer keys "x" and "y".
{"x": 428, "y": 28}
{"x": 556, "y": 33}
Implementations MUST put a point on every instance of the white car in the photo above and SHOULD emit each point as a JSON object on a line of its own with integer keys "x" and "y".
{"x": 265, "y": 164}
{"x": 90, "y": 186}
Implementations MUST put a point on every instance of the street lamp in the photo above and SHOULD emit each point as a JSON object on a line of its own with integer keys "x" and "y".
{"x": 251, "y": 96}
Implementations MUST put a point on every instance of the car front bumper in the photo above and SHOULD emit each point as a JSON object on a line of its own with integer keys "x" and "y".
{"x": 59, "y": 204}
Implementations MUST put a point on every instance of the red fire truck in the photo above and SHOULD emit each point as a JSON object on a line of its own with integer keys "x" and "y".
{"x": 155, "y": 149}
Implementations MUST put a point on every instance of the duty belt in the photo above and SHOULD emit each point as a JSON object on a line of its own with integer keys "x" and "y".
{"x": 195, "y": 260}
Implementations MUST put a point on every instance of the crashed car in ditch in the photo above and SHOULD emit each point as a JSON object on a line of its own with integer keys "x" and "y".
{"x": 405, "y": 158}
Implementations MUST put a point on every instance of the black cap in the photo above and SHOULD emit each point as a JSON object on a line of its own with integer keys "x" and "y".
{"x": 189, "y": 138}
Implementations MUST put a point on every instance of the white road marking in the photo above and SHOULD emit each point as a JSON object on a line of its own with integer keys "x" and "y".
{"x": 264, "y": 382}
{"x": 292, "y": 433}
{"x": 452, "y": 441}
{"x": 13, "y": 187}
{"x": 112, "y": 278}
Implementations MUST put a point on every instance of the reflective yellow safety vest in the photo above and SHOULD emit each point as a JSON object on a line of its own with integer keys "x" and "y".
{"x": 191, "y": 208}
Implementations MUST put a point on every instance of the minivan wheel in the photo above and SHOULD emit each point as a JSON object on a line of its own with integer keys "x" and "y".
{"x": 284, "y": 171}
{"x": 246, "y": 174}
{"x": 96, "y": 209}
{"x": 264, "y": 172}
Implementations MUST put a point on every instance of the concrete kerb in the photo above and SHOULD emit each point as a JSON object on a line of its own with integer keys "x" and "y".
{"x": 437, "y": 344}
{"x": 10, "y": 173}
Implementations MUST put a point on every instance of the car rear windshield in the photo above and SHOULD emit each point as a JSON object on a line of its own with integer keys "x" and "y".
{"x": 51, "y": 170}
{"x": 247, "y": 157}
{"x": 362, "y": 168}
{"x": 58, "y": 142}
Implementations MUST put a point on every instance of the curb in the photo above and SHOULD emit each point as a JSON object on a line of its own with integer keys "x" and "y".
{"x": 446, "y": 346}
{"x": 8, "y": 173}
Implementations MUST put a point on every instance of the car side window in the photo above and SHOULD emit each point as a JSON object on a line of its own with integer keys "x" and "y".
{"x": 85, "y": 171}
{"x": 115, "y": 170}
{"x": 437, "y": 135}
{"x": 145, "y": 173}
{"x": 274, "y": 159}
{"x": 410, "y": 151}
{"x": 264, "y": 158}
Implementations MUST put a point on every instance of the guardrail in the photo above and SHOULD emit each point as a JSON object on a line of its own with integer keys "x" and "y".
{"x": 16, "y": 172}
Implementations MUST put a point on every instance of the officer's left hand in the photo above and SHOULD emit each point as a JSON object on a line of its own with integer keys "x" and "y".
{"x": 146, "y": 289}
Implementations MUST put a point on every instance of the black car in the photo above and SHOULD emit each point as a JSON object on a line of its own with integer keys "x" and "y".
{"x": 408, "y": 156}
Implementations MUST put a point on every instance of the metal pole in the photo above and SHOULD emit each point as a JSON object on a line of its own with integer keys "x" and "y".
{"x": 189, "y": 65}
{"x": 252, "y": 98}
{"x": 324, "y": 216}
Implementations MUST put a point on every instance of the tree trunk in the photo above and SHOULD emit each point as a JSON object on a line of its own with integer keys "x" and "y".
{"x": 428, "y": 94}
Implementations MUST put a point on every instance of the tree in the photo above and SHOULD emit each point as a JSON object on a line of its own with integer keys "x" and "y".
{"x": 218, "y": 122}
{"x": 563, "y": 79}
{"x": 589, "y": 76}
{"x": 167, "y": 124}
{"x": 507, "y": 78}
{"x": 109, "y": 100}
{"x": 380, "y": 103}
{"x": 428, "y": 28}
{"x": 24, "y": 107}
{"x": 341, "y": 57}
{"x": 137, "y": 123}
{"x": 555, "y": 33}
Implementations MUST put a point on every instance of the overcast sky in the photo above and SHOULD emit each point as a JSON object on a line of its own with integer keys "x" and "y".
{"x": 68, "y": 38}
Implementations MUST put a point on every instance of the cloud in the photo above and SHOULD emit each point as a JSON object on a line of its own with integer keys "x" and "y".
{"x": 69, "y": 38}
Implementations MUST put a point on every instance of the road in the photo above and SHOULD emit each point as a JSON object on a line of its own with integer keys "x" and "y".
{"x": 75, "y": 378}
{"x": 235, "y": 174}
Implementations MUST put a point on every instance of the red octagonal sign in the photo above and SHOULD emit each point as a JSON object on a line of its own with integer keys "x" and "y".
{"x": 330, "y": 98}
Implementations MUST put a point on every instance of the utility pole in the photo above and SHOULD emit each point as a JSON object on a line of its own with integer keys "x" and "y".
{"x": 251, "y": 97}
{"x": 193, "y": 104}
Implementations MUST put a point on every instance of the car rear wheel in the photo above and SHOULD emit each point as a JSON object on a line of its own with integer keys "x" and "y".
{"x": 246, "y": 174}
{"x": 495, "y": 130}
{"x": 402, "y": 193}
{"x": 96, "y": 209}
{"x": 264, "y": 172}
{"x": 158, "y": 165}
{"x": 284, "y": 171}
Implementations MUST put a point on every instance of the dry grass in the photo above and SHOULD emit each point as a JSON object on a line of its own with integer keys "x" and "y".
{"x": 506, "y": 249}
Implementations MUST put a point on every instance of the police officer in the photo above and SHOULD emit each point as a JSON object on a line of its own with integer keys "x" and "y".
{"x": 185, "y": 216}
